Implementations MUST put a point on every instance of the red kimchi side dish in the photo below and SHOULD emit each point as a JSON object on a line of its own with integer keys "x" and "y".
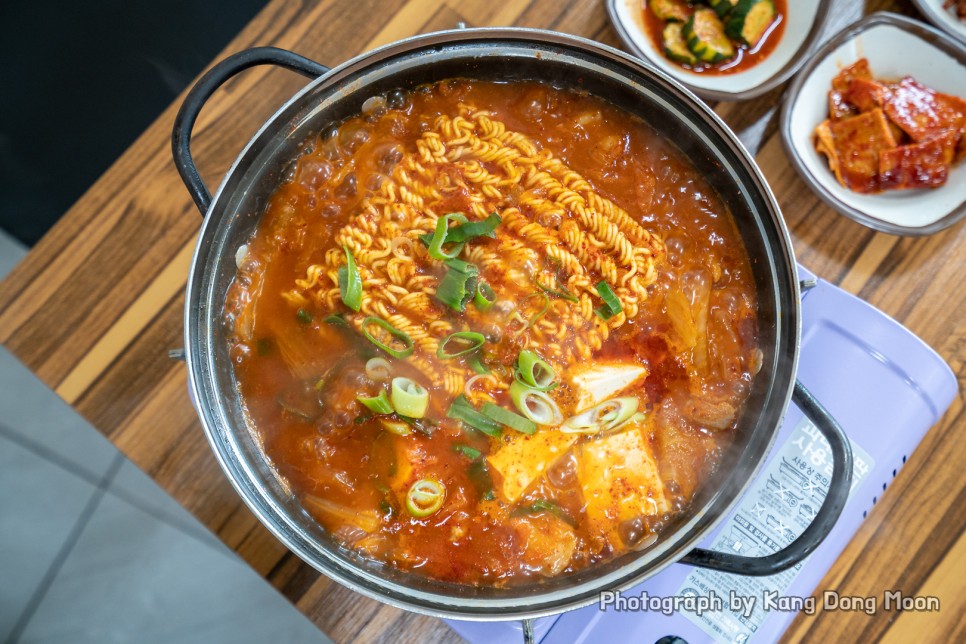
{"x": 493, "y": 332}
{"x": 956, "y": 7}
{"x": 890, "y": 135}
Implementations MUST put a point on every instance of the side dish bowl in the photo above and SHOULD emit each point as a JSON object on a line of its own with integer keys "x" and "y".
{"x": 936, "y": 13}
{"x": 895, "y": 46}
{"x": 804, "y": 24}
{"x": 494, "y": 54}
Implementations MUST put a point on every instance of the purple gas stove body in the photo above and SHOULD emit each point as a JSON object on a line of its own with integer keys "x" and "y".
{"x": 885, "y": 387}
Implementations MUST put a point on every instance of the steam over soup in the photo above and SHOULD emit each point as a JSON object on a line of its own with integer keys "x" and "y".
{"x": 493, "y": 332}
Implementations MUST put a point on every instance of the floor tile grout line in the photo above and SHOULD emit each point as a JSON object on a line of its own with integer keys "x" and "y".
{"x": 64, "y": 552}
{"x": 54, "y": 458}
{"x": 50, "y": 455}
{"x": 170, "y": 522}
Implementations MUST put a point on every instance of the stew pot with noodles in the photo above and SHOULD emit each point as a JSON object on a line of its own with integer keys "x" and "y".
{"x": 486, "y": 322}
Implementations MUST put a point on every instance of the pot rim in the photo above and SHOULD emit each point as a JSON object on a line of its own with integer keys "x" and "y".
{"x": 397, "y": 595}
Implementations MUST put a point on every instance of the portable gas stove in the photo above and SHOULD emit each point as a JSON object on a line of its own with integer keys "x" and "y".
{"x": 884, "y": 386}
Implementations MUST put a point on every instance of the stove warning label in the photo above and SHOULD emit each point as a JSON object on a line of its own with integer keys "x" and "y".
{"x": 778, "y": 507}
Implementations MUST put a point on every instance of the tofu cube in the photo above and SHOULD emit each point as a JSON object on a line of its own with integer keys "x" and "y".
{"x": 527, "y": 457}
{"x": 620, "y": 481}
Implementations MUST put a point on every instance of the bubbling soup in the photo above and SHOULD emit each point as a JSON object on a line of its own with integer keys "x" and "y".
{"x": 493, "y": 332}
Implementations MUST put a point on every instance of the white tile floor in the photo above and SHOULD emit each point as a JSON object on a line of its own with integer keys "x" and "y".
{"x": 92, "y": 550}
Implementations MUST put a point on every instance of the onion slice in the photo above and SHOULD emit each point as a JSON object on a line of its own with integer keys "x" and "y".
{"x": 378, "y": 369}
{"x": 605, "y": 417}
{"x": 535, "y": 405}
{"x": 409, "y": 398}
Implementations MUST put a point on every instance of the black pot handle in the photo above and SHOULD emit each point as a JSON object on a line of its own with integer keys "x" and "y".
{"x": 824, "y": 520}
{"x": 184, "y": 122}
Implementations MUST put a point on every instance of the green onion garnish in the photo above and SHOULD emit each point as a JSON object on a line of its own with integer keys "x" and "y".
{"x": 397, "y": 427}
{"x": 377, "y": 404}
{"x": 508, "y": 418}
{"x": 350, "y": 282}
{"x": 397, "y": 335}
{"x": 462, "y": 410}
{"x": 543, "y": 505}
{"x": 539, "y": 314}
{"x": 409, "y": 398}
{"x": 462, "y": 266}
{"x": 607, "y": 416}
{"x": 612, "y": 305}
{"x": 425, "y": 497}
{"x": 469, "y": 452}
{"x": 473, "y": 229}
{"x": 535, "y": 405}
{"x": 440, "y": 237}
{"x": 378, "y": 369}
{"x": 479, "y": 475}
{"x": 561, "y": 292}
{"x": 485, "y": 297}
{"x": 336, "y": 320}
{"x": 476, "y": 364}
{"x": 534, "y": 372}
{"x": 304, "y": 316}
{"x": 458, "y": 286}
{"x": 459, "y": 344}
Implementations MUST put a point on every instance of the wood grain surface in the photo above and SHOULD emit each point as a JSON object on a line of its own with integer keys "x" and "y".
{"x": 97, "y": 304}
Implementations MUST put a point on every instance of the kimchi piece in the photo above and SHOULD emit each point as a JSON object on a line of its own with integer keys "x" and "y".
{"x": 890, "y": 135}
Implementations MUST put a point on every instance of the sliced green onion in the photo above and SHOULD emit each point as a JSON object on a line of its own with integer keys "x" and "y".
{"x": 473, "y": 229}
{"x": 304, "y": 316}
{"x": 485, "y": 297}
{"x": 336, "y": 320}
{"x": 425, "y": 497}
{"x": 462, "y": 410}
{"x": 435, "y": 242}
{"x": 561, "y": 292}
{"x": 457, "y": 288}
{"x": 424, "y": 426}
{"x": 534, "y": 372}
{"x": 612, "y": 305}
{"x": 408, "y": 346}
{"x": 543, "y": 505}
{"x": 539, "y": 314}
{"x": 605, "y": 417}
{"x": 535, "y": 405}
{"x": 508, "y": 418}
{"x": 462, "y": 343}
{"x": 462, "y": 266}
{"x": 377, "y": 404}
{"x": 479, "y": 475}
{"x": 378, "y": 369}
{"x": 409, "y": 398}
{"x": 476, "y": 364}
{"x": 469, "y": 452}
{"x": 350, "y": 282}
{"x": 397, "y": 427}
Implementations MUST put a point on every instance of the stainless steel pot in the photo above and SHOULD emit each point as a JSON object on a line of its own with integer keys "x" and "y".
{"x": 496, "y": 54}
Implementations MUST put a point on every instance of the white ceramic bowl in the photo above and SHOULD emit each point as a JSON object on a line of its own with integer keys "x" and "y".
{"x": 895, "y": 47}
{"x": 942, "y": 18}
{"x": 805, "y": 19}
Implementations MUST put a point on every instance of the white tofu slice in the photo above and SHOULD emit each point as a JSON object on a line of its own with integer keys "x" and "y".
{"x": 526, "y": 457}
{"x": 620, "y": 480}
{"x": 598, "y": 383}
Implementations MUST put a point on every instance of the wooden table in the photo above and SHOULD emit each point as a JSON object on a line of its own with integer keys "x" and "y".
{"x": 96, "y": 305}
